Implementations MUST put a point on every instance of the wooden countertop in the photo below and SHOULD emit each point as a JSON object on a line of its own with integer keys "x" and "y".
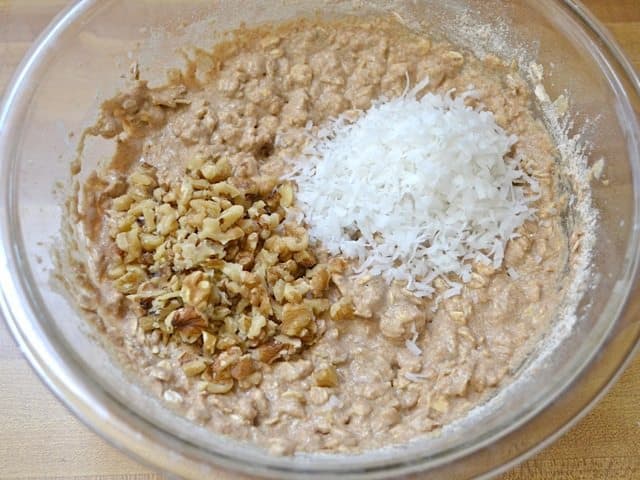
{"x": 40, "y": 439}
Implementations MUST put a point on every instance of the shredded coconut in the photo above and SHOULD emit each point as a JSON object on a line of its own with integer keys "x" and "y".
{"x": 415, "y": 377}
{"x": 413, "y": 347}
{"x": 410, "y": 343}
{"x": 415, "y": 189}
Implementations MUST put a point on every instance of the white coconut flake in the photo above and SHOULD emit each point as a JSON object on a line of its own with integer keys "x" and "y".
{"x": 454, "y": 289}
{"x": 415, "y": 189}
{"x": 415, "y": 377}
{"x": 411, "y": 344}
{"x": 412, "y": 347}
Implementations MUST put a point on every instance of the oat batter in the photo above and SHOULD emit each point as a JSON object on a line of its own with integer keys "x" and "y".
{"x": 344, "y": 379}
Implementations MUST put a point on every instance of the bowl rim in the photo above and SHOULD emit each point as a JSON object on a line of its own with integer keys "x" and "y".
{"x": 118, "y": 424}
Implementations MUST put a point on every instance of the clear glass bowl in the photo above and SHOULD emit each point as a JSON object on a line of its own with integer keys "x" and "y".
{"x": 80, "y": 59}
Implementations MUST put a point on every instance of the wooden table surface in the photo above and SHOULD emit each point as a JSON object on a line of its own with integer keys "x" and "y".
{"x": 40, "y": 439}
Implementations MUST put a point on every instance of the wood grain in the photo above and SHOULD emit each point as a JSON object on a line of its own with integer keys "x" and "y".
{"x": 40, "y": 439}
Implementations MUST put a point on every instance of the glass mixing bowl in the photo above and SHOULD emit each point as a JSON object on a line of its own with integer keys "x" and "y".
{"x": 81, "y": 59}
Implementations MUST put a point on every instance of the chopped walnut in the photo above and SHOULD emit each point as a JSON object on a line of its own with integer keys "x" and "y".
{"x": 327, "y": 377}
{"x": 193, "y": 368}
{"x": 211, "y": 261}
{"x": 343, "y": 309}
{"x": 295, "y": 319}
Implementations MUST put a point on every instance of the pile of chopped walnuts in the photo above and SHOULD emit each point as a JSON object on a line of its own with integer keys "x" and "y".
{"x": 212, "y": 261}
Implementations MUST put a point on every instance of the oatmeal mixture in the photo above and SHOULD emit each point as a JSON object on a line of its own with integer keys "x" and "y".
{"x": 213, "y": 292}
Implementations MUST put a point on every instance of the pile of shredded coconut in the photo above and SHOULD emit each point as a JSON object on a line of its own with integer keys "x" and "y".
{"x": 415, "y": 189}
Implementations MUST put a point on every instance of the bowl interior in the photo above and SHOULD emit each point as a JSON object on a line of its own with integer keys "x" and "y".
{"x": 83, "y": 62}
